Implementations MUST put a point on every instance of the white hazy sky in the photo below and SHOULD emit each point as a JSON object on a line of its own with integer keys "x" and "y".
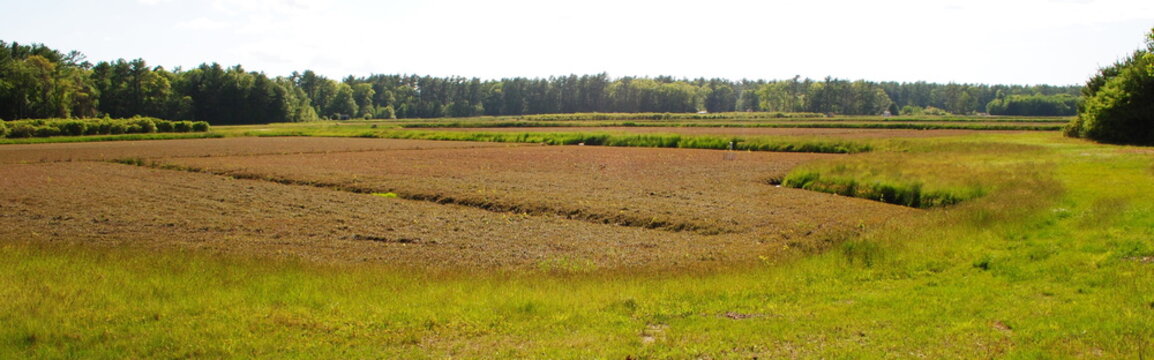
{"x": 1056, "y": 42}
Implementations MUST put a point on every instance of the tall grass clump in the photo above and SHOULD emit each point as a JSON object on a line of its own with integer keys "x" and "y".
{"x": 906, "y": 192}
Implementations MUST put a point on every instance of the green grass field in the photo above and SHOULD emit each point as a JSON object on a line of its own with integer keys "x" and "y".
{"x": 1054, "y": 259}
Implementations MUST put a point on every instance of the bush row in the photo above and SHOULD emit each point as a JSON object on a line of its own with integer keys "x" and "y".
{"x": 81, "y": 127}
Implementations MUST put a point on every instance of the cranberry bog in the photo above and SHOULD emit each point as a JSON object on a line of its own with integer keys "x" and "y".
{"x": 428, "y": 204}
{"x": 149, "y": 149}
{"x": 163, "y": 209}
{"x": 379, "y": 248}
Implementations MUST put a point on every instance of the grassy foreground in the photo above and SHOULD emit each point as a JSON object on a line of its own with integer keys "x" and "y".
{"x": 1055, "y": 261}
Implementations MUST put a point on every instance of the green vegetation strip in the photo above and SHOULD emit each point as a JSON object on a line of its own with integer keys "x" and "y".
{"x": 648, "y": 140}
{"x": 894, "y": 191}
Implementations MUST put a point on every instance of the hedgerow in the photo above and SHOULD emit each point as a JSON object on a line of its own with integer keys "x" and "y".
{"x": 82, "y": 127}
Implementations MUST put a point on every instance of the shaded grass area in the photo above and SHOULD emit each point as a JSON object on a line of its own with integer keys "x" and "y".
{"x": 1056, "y": 261}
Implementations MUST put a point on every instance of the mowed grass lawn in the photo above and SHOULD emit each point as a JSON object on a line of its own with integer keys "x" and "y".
{"x": 1056, "y": 260}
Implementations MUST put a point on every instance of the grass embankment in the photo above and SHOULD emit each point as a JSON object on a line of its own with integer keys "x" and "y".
{"x": 593, "y": 138}
{"x": 1055, "y": 262}
{"x": 813, "y": 144}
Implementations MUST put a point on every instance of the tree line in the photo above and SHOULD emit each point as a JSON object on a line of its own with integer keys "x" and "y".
{"x": 40, "y": 82}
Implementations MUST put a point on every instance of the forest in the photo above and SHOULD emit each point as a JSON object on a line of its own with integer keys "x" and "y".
{"x": 40, "y": 82}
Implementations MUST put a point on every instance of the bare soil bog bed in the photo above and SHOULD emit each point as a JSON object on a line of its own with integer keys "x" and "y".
{"x": 104, "y": 204}
{"x": 672, "y": 189}
{"x": 472, "y": 205}
{"x": 33, "y": 153}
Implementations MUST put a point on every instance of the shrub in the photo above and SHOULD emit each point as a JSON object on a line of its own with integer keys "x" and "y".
{"x": 200, "y": 126}
{"x": 182, "y": 126}
{"x": 146, "y": 125}
{"x": 22, "y": 131}
{"x": 3, "y": 129}
{"x": 46, "y": 131}
{"x": 386, "y": 112}
{"x": 163, "y": 126}
{"x": 104, "y": 127}
{"x": 92, "y": 128}
{"x": 73, "y": 127}
{"x": 117, "y": 128}
{"x": 928, "y": 110}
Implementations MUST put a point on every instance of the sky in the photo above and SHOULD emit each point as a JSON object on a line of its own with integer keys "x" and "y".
{"x": 1057, "y": 42}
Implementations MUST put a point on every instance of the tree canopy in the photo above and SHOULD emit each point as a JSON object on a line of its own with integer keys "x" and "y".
{"x": 1119, "y": 101}
{"x": 39, "y": 82}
